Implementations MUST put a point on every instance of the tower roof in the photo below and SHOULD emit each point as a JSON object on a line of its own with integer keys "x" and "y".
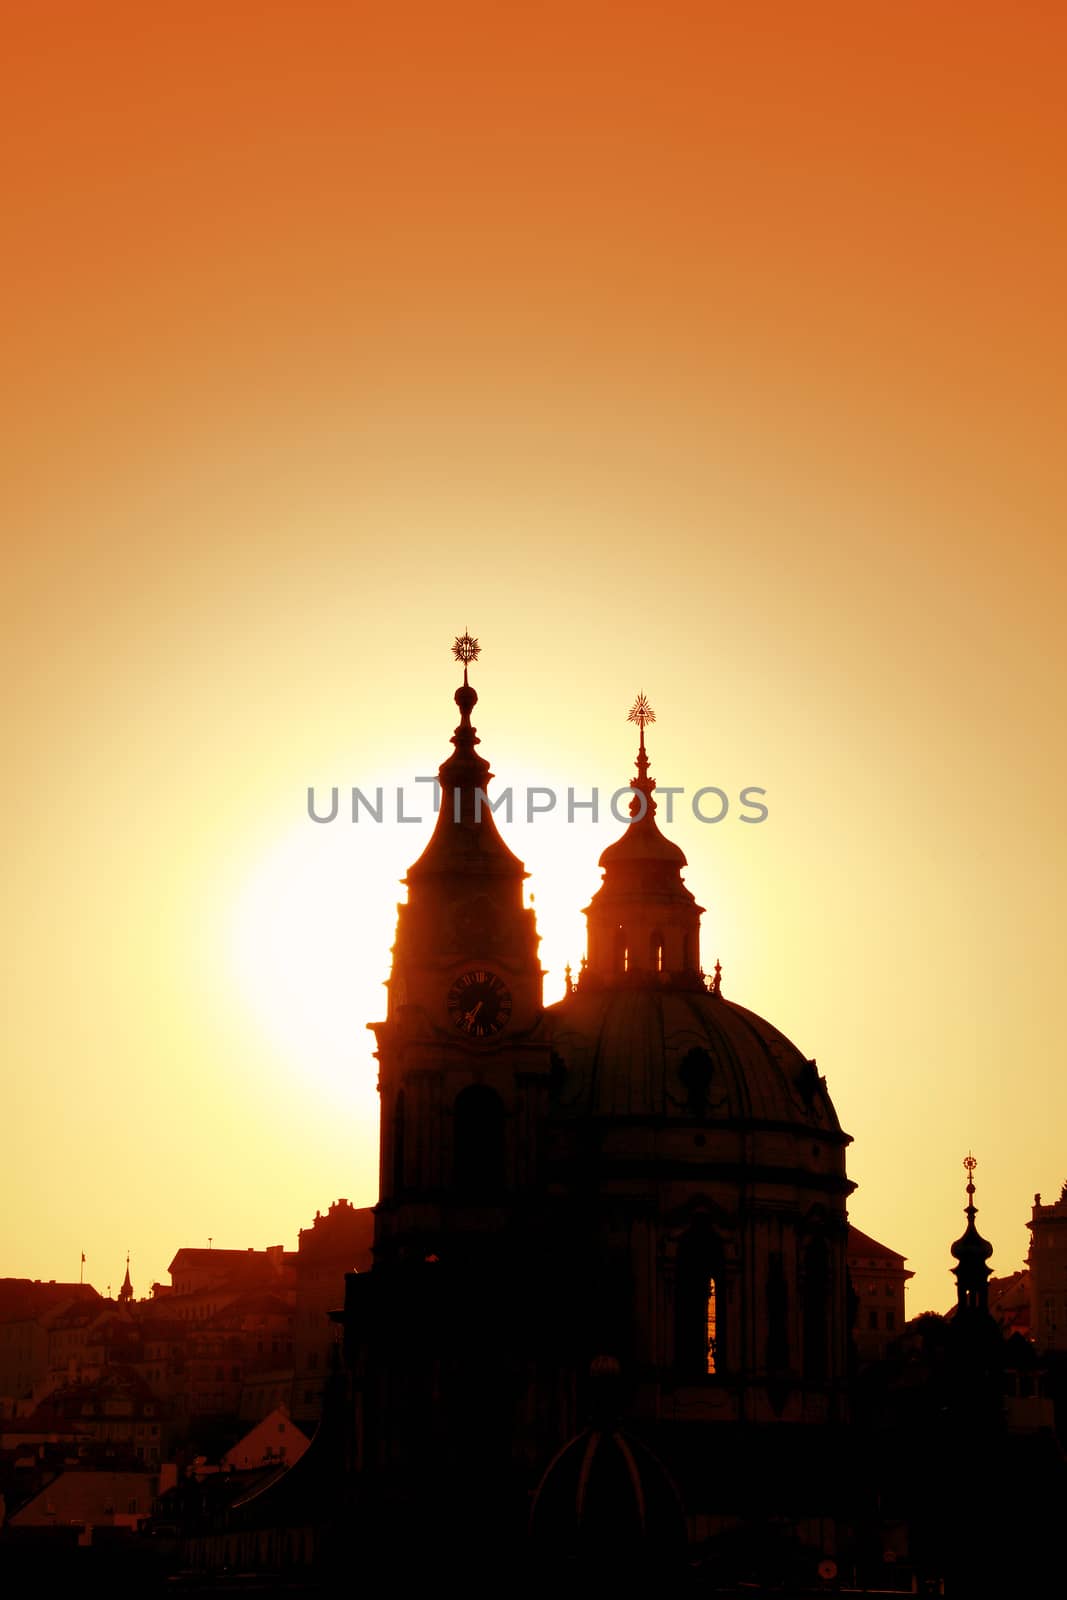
{"x": 642, "y": 840}
{"x": 465, "y": 840}
{"x": 971, "y": 1251}
{"x": 644, "y": 924}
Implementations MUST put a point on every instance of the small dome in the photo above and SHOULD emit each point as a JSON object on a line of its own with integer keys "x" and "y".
{"x": 605, "y": 1505}
{"x": 970, "y": 1248}
{"x": 645, "y": 1051}
{"x": 642, "y": 841}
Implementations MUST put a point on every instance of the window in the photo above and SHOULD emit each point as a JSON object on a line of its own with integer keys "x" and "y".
{"x": 698, "y": 1305}
{"x": 479, "y": 1140}
{"x": 655, "y": 952}
{"x": 711, "y": 1329}
{"x": 891, "y": 1320}
{"x": 872, "y": 1319}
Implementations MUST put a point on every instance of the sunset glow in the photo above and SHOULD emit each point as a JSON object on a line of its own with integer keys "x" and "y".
{"x": 714, "y": 352}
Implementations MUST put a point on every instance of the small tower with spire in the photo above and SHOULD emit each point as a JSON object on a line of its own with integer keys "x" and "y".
{"x": 644, "y": 924}
{"x": 972, "y": 1254}
{"x": 126, "y": 1292}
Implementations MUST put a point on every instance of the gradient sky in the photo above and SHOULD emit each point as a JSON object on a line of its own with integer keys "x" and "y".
{"x": 715, "y": 350}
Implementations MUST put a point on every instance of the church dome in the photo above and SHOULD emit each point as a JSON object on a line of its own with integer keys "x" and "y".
{"x": 641, "y": 1035}
{"x": 644, "y": 1051}
{"x": 606, "y": 1504}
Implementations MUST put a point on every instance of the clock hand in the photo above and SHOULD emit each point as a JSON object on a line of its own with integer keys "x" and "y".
{"x": 470, "y": 1016}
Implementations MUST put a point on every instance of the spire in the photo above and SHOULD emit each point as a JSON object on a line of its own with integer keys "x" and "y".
{"x": 465, "y": 890}
{"x": 644, "y": 924}
{"x": 641, "y": 713}
{"x": 465, "y": 838}
{"x": 465, "y": 767}
{"x": 972, "y": 1254}
{"x": 643, "y": 839}
{"x": 126, "y": 1292}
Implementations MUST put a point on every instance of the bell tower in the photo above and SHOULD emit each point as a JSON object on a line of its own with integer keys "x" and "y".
{"x": 463, "y": 1066}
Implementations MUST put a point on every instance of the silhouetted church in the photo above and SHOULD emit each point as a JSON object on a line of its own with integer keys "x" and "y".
{"x": 646, "y": 1181}
{"x": 606, "y": 1332}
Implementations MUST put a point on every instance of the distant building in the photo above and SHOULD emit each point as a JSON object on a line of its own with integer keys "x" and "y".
{"x": 878, "y": 1278}
{"x": 274, "y": 1439}
{"x": 205, "y": 1280}
{"x": 28, "y": 1309}
{"x": 114, "y": 1418}
{"x": 1047, "y": 1261}
{"x": 89, "y": 1500}
{"x": 1009, "y": 1302}
{"x": 339, "y": 1242}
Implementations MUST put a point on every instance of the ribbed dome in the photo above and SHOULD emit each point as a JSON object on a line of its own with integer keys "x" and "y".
{"x": 605, "y": 1505}
{"x": 646, "y": 1051}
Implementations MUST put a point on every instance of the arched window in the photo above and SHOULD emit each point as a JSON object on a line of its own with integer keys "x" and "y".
{"x": 655, "y": 951}
{"x": 622, "y": 954}
{"x": 698, "y": 1306}
{"x": 478, "y": 1134}
{"x": 398, "y": 1144}
{"x": 711, "y": 1328}
{"x": 816, "y": 1304}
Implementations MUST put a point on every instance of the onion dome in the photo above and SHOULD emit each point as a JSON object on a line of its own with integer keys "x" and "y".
{"x": 606, "y": 1505}
{"x": 972, "y": 1254}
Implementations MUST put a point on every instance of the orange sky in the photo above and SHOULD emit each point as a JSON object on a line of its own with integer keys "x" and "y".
{"x": 715, "y": 350}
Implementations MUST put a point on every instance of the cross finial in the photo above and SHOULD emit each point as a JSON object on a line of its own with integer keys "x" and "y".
{"x": 466, "y": 649}
{"x": 641, "y": 713}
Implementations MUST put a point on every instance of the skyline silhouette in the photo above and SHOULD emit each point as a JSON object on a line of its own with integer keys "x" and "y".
{"x": 688, "y": 352}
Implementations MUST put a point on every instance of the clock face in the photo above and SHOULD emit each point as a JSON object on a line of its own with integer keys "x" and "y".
{"x": 479, "y": 1003}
